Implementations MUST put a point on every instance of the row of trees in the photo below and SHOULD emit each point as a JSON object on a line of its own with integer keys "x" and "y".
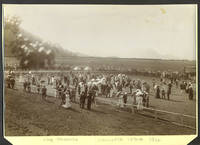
{"x": 31, "y": 52}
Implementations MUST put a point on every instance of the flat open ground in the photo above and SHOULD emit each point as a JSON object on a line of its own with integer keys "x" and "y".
{"x": 179, "y": 101}
{"x": 27, "y": 114}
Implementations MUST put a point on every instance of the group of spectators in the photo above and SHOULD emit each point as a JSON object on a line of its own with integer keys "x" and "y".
{"x": 86, "y": 86}
{"x": 187, "y": 87}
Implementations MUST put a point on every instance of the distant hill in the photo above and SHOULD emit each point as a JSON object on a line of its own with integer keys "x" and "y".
{"x": 59, "y": 51}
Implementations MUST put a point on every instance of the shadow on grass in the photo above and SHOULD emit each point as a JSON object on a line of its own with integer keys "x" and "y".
{"x": 70, "y": 109}
{"x": 74, "y": 110}
{"x": 48, "y": 101}
{"x": 172, "y": 100}
{"x": 97, "y": 111}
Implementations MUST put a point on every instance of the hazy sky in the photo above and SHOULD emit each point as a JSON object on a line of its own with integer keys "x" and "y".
{"x": 153, "y": 31}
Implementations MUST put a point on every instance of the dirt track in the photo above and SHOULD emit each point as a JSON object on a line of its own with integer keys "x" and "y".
{"x": 27, "y": 114}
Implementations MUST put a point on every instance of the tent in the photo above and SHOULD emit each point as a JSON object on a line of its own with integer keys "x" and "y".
{"x": 76, "y": 68}
{"x": 87, "y": 68}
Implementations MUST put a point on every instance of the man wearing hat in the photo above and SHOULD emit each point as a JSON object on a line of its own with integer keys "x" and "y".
{"x": 145, "y": 99}
{"x": 89, "y": 97}
{"x": 44, "y": 92}
{"x": 157, "y": 92}
{"x": 83, "y": 94}
{"x": 169, "y": 90}
{"x": 190, "y": 92}
{"x": 73, "y": 94}
{"x": 38, "y": 87}
{"x": 125, "y": 98}
{"x": 108, "y": 88}
{"x": 120, "y": 101}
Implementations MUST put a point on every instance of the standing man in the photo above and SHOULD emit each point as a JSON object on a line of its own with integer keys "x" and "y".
{"x": 176, "y": 81}
{"x": 38, "y": 88}
{"x": 82, "y": 100}
{"x": 163, "y": 93}
{"x": 108, "y": 88}
{"x": 89, "y": 97}
{"x": 48, "y": 79}
{"x": 131, "y": 86}
{"x": 125, "y": 97}
{"x": 190, "y": 92}
{"x": 157, "y": 92}
{"x": 95, "y": 92}
{"x": 153, "y": 83}
{"x": 120, "y": 99}
{"x": 169, "y": 90}
{"x": 83, "y": 95}
{"x": 73, "y": 94}
{"x": 44, "y": 92}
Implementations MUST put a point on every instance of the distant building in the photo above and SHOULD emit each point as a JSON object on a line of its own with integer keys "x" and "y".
{"x": 11, "y": 62}
{"x": 190, "y": 69}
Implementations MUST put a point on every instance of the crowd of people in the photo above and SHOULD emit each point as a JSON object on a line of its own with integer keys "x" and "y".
{"x": 86, "y": 86}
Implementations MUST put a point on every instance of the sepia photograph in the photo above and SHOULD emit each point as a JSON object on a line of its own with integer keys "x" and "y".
{"x": 100, "y": 70}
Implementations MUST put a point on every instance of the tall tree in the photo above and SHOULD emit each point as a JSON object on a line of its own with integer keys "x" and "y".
{"x": 32, "y": 52}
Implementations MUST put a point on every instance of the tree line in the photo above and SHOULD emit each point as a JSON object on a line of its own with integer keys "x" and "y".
{"x": 31, "y": 51}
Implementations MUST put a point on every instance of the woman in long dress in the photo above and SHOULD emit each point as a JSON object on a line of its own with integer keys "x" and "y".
{"x": 67, "y": 101}
{"x": 139, "y": 100}
{"x": 21, "y": 80}
{"x": 120, "y": 101}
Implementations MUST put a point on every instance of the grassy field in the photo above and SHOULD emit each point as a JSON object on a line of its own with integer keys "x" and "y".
{"x": 27, "y": 114}
{"x": 178, "y": 102}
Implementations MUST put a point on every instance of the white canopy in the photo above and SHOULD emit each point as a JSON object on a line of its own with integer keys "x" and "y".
{"x": 87, "y": 68}
{"x": 77, "y": 68}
